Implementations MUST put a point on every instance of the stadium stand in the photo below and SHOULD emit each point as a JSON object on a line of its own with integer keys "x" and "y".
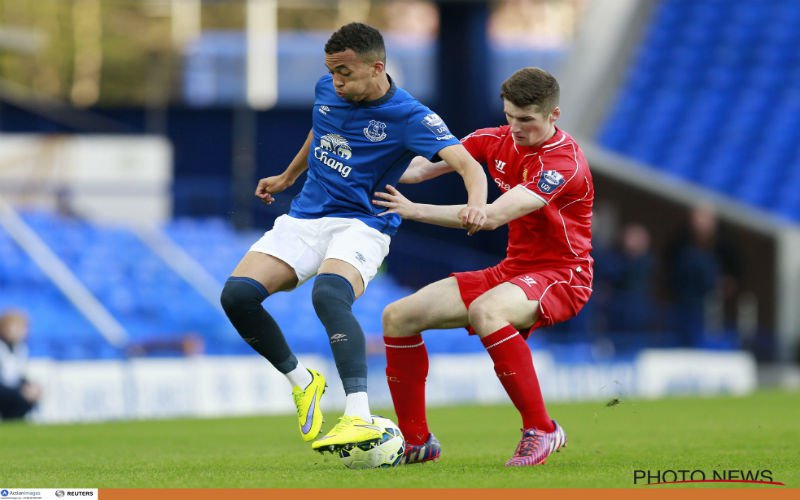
{"x": 58, "y": 329}
{"x": 691, "y": 95}
{"x": 156, "y": 306}
{"x": 214, "y": 66}
{"x": 718, "y": 107}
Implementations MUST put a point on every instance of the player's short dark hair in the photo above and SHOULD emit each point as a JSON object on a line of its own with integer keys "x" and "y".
{"x": 532, "y": 86}
{"x": 364, "y": 40}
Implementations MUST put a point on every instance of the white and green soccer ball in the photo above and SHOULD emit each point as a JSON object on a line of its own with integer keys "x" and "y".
{"x": 387, "y": 451}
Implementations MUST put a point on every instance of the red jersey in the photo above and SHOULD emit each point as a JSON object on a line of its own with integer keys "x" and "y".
{"x": 560, "y": 233}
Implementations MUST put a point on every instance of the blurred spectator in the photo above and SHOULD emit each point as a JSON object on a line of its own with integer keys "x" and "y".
{"x": 189, "y": 344}
{"x": 534, "y": 23}
{"x": 703, "y": 265}
{"x": 65, "y": 203}
{"x": 411, "y": 18}
{"x": 629, "y": 271}
{"x": 604, "y": 230}
{"x": 18, "y": 396}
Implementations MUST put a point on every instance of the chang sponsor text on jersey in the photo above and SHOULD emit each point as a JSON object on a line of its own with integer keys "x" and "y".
{"x": 330, "y": 147}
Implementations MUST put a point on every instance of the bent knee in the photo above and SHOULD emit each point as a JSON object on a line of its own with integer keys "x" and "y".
{"x": 397, "y": 320}
{"x": 391, "y": 316}
{"x": 480, "y": 311}
{"x": 229, "y": 298}
{"x": 331, "y": 295}
{"x": 241, "y": 292}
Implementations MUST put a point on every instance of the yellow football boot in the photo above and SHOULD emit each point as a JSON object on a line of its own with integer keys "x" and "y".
{"x": 349, "y": 431}
{"x": 309, "y": 414}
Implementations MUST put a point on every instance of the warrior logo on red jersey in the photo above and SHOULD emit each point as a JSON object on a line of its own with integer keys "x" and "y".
{"x": 550, "y": 180}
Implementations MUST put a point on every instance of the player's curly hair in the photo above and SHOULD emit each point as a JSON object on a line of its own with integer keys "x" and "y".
{"x": 532, "y": 86}
{"x": 364, "y": 40}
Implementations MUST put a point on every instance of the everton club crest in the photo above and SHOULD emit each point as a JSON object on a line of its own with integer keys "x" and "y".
{"x": 375, "y": 131}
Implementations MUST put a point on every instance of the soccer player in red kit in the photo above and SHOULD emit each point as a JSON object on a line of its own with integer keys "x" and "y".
{"x": 545, "y": 278}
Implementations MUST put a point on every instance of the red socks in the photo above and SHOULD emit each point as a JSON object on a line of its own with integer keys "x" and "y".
{"x": 406, "y": 371}
{"x": 514, "y": 367}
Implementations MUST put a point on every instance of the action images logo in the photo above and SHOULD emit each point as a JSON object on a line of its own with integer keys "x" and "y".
{"x": 649, "y": 477}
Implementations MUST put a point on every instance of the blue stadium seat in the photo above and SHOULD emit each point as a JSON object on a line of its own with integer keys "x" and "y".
{"x": 53, "y": 319}
{"x": 744, "y": 71}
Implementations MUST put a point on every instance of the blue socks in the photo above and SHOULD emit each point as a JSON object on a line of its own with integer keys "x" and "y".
{"x": 241, "y": 299}
{"x": 333, "y": 299}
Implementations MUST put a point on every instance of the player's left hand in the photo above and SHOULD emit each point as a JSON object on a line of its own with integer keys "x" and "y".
{"x": 271, "y": 185}
{"x": 395, "y": 203}
{"x": 473, "y": 217}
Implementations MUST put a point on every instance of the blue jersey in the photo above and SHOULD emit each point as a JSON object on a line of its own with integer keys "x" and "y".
{"x": 358, "y": 148}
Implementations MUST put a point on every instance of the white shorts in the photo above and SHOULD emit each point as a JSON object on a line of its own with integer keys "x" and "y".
{"x": 305, "y": 243}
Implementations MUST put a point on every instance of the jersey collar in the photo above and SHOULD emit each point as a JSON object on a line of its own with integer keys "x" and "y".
{"x": 385, "y": 97}
{"x": 557, "y": 139}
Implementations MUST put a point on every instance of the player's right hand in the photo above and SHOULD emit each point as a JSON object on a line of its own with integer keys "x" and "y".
{"x": 472, "y": 218}
{"x": 395, "y": 203}
{"x": 271, "y": 185}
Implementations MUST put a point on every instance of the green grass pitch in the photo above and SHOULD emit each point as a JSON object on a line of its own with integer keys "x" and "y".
{"x": 606, "y": 444}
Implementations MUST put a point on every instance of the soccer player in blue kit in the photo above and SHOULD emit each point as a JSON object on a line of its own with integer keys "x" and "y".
{"x": 365, "y": 131}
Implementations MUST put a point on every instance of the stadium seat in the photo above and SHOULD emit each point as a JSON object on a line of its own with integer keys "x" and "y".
{"x": 745, "y": 70}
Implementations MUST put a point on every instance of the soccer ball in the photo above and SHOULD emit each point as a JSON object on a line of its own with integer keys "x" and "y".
{"x": 387, "y": 451}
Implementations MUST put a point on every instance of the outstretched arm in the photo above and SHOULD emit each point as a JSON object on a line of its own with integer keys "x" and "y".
{"x": 459, "y": 159}
{"x": 277, "y": 183}
{"x": 473, "y": 216}
{"x": 421, "y": 169}
{"x": 513, "y": 204}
